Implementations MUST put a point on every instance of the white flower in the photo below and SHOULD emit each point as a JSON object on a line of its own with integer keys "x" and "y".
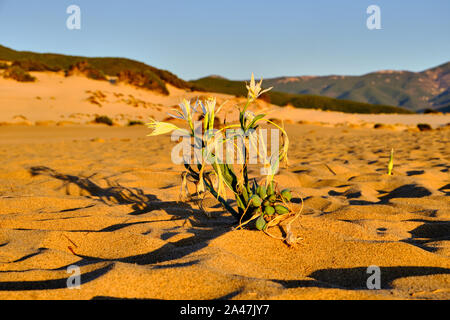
{"x": 249, "y": 116}
{"x": 209, "y": 112}
{"x": 160, "y": 127}
{"x": 186, "y": 112}
{"x": 254, "y": 89}
{"x": 208, "y": 106}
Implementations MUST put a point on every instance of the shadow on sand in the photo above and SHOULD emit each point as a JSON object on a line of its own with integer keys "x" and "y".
{"x": 205, "y": 229}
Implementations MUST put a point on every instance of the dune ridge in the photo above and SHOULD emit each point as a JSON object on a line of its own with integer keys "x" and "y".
{"x": 77, "y": 100}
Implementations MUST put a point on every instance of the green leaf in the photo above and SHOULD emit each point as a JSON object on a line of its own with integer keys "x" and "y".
{"x": 228, "y": 175}
{"x": 255, "y": 119}
{"x": 240, "y": 203}
{"x": 245, "y": 194}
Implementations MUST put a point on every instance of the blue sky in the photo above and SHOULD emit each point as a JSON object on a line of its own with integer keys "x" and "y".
{"x": 232, "y": 38}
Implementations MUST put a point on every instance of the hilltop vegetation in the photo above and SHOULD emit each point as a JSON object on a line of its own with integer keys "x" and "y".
{"x": 86, "y": 69}
{"x": 154, "y": 77}
{"x": 145, "y": 79}
{"x": 30, "y": 65}
{"x": 237, "y": 88}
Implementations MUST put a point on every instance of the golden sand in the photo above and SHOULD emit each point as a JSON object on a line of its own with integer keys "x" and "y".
{"x": 106, "y": 199}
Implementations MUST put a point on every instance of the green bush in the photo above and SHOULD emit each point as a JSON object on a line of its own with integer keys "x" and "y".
{"x": 18, "y": 74}
{"x": 85, "y": 68}
{"x": 135, "y": 123}
{"x": 104, "y": 120}
{"x": 95, "y": 74}
{"x": 424, "y": 127}
{"x": 30, "y": 65}
{"x": 146, "y": 80}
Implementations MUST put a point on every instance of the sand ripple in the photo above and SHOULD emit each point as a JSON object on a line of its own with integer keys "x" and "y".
{"x": 111, "y": 207}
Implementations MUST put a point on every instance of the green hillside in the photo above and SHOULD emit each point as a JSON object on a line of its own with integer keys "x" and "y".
{"x": 108, "y": 66}
{"x": 237, "y": 88}
{"x": 412, "y": 90}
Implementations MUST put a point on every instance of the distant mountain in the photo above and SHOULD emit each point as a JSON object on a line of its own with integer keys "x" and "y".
{"x": 412, "y": 90}
{"x": 237, "y": 88}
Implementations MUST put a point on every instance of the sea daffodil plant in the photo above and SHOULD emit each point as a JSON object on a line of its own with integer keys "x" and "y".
{"x": 259, "y": 201}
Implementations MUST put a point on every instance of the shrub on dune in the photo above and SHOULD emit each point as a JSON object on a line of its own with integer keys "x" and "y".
{"x": 104, "y": 120}
{"x": 145, "y": 80}
{"x": 18, "y": 74}
{"x": 86, "y": 69}
{"x": 30, "y": 65}
{"x": 424, "y": 127}
{"x": 135, "y": 123}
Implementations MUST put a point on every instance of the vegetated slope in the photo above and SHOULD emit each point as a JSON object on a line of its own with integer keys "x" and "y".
{"x": 412, "y": 90}
{"x": 108, "y": 66}
{"x": 443, "y": 101}
{"x": 216, "y": 84}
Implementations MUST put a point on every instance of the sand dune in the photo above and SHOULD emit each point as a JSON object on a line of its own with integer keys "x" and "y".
{"x": 58, "y": 100}
{"x": 106, "y": 199}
